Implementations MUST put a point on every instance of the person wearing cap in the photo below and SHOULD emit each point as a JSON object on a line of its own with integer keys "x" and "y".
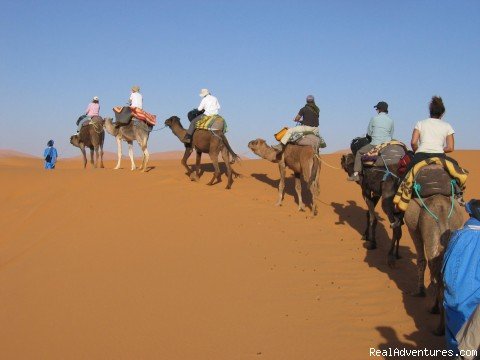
{"x": 307, "y": 120}
{"x": 461, "y": 276}
{"x": 93, "y": 109}
{"x": 50, "y": 156}
{"x": 136, "y": 99}
{"x": 208, "y": 106}
{"x": 380, "y": 130}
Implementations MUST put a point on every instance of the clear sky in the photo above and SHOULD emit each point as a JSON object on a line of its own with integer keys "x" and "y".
{"x": 260, "y": 58}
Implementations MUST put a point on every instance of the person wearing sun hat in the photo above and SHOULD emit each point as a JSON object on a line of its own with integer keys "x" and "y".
{"x": 461, "y": 275}
{"x": 93, "y": 109}
{"x": 208, "y": 106}
{"x": 380, "y": 129}
{"x": 136, "y": 99}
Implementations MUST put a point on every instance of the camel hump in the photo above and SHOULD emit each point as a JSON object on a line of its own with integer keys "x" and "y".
{"x": 433, "y": 179}
{"x": 385, "y": 154}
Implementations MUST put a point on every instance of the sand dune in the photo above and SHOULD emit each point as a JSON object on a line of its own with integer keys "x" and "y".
{"x": 104, "y": 264}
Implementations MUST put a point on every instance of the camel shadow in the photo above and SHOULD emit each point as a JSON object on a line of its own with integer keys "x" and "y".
{"x": 289, "y": 186}
{"x": 354, "y": 216}
{"x": 150, "y": 168}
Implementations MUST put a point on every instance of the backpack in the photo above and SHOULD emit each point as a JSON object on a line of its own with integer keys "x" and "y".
{"x": 403, "y": 163}
{"x": 358, "y": 143}
{"x": 192, "y": 114}
{"x": 48, "y": 158}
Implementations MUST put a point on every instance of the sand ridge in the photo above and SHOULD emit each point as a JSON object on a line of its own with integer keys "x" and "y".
{"x": 105, "y": 264}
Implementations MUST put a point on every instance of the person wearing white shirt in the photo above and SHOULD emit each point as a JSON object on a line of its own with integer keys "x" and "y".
{"x": 136, "y": 99}
{"x": 208, "y": 106}
{"x": 432, "y": 137}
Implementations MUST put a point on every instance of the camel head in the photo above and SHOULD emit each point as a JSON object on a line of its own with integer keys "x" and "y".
{"x": 260, "y": 147}
{"x": 172, "y": 120}
{"x": 347, "y": 162}
{"x": 75, "y": 141}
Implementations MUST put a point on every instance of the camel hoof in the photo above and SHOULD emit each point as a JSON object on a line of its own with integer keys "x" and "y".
{"x": 364, "y": 237}
{"x": 228, "y": 187}
{"x": 370, "y": 245}
{"x": 301, "y": 208}
{"x": 278, "y": 203}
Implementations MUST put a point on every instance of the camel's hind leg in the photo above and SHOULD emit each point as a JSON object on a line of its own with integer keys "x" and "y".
{"x": 371, "y": 202}
{"x": 146, "y": 157}
{"x": 101, "y": 157}
{"x": 97, "y": 155}
{"x": 92, "y": 161}
{"x": 217, "y": 175}
{"x": 198, "y": 160}
{"x": 228, "y": 165}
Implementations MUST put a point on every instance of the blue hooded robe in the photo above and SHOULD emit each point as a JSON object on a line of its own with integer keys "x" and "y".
{"x": 53, "y": 157}
{"x": 461, "y": 277}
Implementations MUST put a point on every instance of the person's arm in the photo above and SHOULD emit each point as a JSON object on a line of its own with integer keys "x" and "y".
{"x": 415, "y": 138}
{"x": 88, "y": 109}
{"x": 299, "y": 117}
{"x": 450, "y": 144}
{"x": 370, "y": 128}
{"x": 202, "y": 105}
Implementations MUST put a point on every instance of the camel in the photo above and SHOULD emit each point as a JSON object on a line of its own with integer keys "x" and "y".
{"x": 91, "y": 136}
{"x": 431, "y": 238}
{"x": 305, "y": 164}
{"x": 134, "y": 130}
{"x": 212, "y": 142}
{"x": 374, "y": 187}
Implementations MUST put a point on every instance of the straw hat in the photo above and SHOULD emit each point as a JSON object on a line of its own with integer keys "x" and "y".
{"x": 135, "y": 88}
{"x": 204, "y": 92}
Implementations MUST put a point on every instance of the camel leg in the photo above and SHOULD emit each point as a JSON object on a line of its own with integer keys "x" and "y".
{"x": 298, "y": 190}
{"x": 101, "y": 157}
{"x": 186, "y": 155}
{"x": 217, "y": 175}
{"x": 96, "y": 156}
{"x": 387, "y": 206}
{"x": 146, "y": 156}
{"x": 92, "y": 161}
{"x": 367, "y": 229}
{"x": 84, "y": 154}
{"x": 130, "y": 154}
{"x": 226, "y": 160}
{"x": 198, "y": 159}
{"x": 371, "y": 202}
{"x": 281, "y": 184}
{"x": 119, "y": 153}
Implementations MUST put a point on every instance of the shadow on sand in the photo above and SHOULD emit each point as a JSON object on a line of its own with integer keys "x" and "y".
{"x": 404, "y": 275}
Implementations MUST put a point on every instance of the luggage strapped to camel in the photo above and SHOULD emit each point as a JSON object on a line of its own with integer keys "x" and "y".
{"x": 422, "y": 181}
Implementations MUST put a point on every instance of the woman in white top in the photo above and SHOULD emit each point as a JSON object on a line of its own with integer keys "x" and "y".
{"x": 432, "y": 137}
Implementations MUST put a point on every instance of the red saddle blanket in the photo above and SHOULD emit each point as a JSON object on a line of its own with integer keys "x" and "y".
{"x": 142, "y": 115}
{"x": 124, "y": 115}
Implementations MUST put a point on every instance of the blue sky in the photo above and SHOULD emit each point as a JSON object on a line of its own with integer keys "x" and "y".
{"x": 260, "y": 58}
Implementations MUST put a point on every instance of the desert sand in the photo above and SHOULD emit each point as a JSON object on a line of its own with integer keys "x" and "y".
{"x": 104, "y": 264}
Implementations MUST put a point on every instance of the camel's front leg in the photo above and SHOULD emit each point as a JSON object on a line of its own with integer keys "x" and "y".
{"x": 281, "y": 184}
{"x": 198, "y": 159}
{"x": 298, "y": 190}
{"x": 186, "y": 155}
{"x": 119, "y": 153}
{"x": 130, "y": 154}
{"x": 371, "y": 202}
{"x": 101, "y": 157}
{"x": 96, "y": 156}
{"x": 82, "y": 149}
{"x": 92, "y": 161}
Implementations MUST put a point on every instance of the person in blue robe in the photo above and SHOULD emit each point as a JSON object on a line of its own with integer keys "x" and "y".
{"x": 50, "y": 155}
{"x": 461, "y": 274}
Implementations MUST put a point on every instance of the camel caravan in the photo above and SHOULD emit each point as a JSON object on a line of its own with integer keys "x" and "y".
{"x": 422, "y": 188}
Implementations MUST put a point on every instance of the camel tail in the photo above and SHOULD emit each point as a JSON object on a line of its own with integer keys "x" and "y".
{"x": 229, "y": 148}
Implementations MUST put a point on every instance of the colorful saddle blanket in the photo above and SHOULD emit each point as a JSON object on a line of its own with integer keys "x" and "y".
{"x": 123, "y": 114}
{"x": 212, "y": 122}
{"x": 388, "y": 153}
{"x": 455, "y": 172}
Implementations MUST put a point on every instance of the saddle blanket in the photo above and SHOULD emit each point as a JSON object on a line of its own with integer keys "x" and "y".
{"x": 123, "y": 114}
{"x": 404, "y": 193}
{"x": 212, "y": 122}
{"x": 373, "y": 157}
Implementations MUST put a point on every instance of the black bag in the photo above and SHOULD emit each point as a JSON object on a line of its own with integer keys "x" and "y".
{"x": 124, "y": 115}
{"x": 48, "y": 158}
{"x": 358, "y": 143}
{"x": 81, "y": 118}
{"x": 192, "y": 114}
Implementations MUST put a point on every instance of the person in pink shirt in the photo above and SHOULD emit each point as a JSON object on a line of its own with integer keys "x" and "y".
{"x": 93, "y": 109}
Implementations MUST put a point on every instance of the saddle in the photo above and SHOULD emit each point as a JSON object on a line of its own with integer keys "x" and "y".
{"x": 432, "y": 180}
{"x": 211, "y": 122}
{"x": 124, "y": 114}
{"x": 386, "y": 154}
